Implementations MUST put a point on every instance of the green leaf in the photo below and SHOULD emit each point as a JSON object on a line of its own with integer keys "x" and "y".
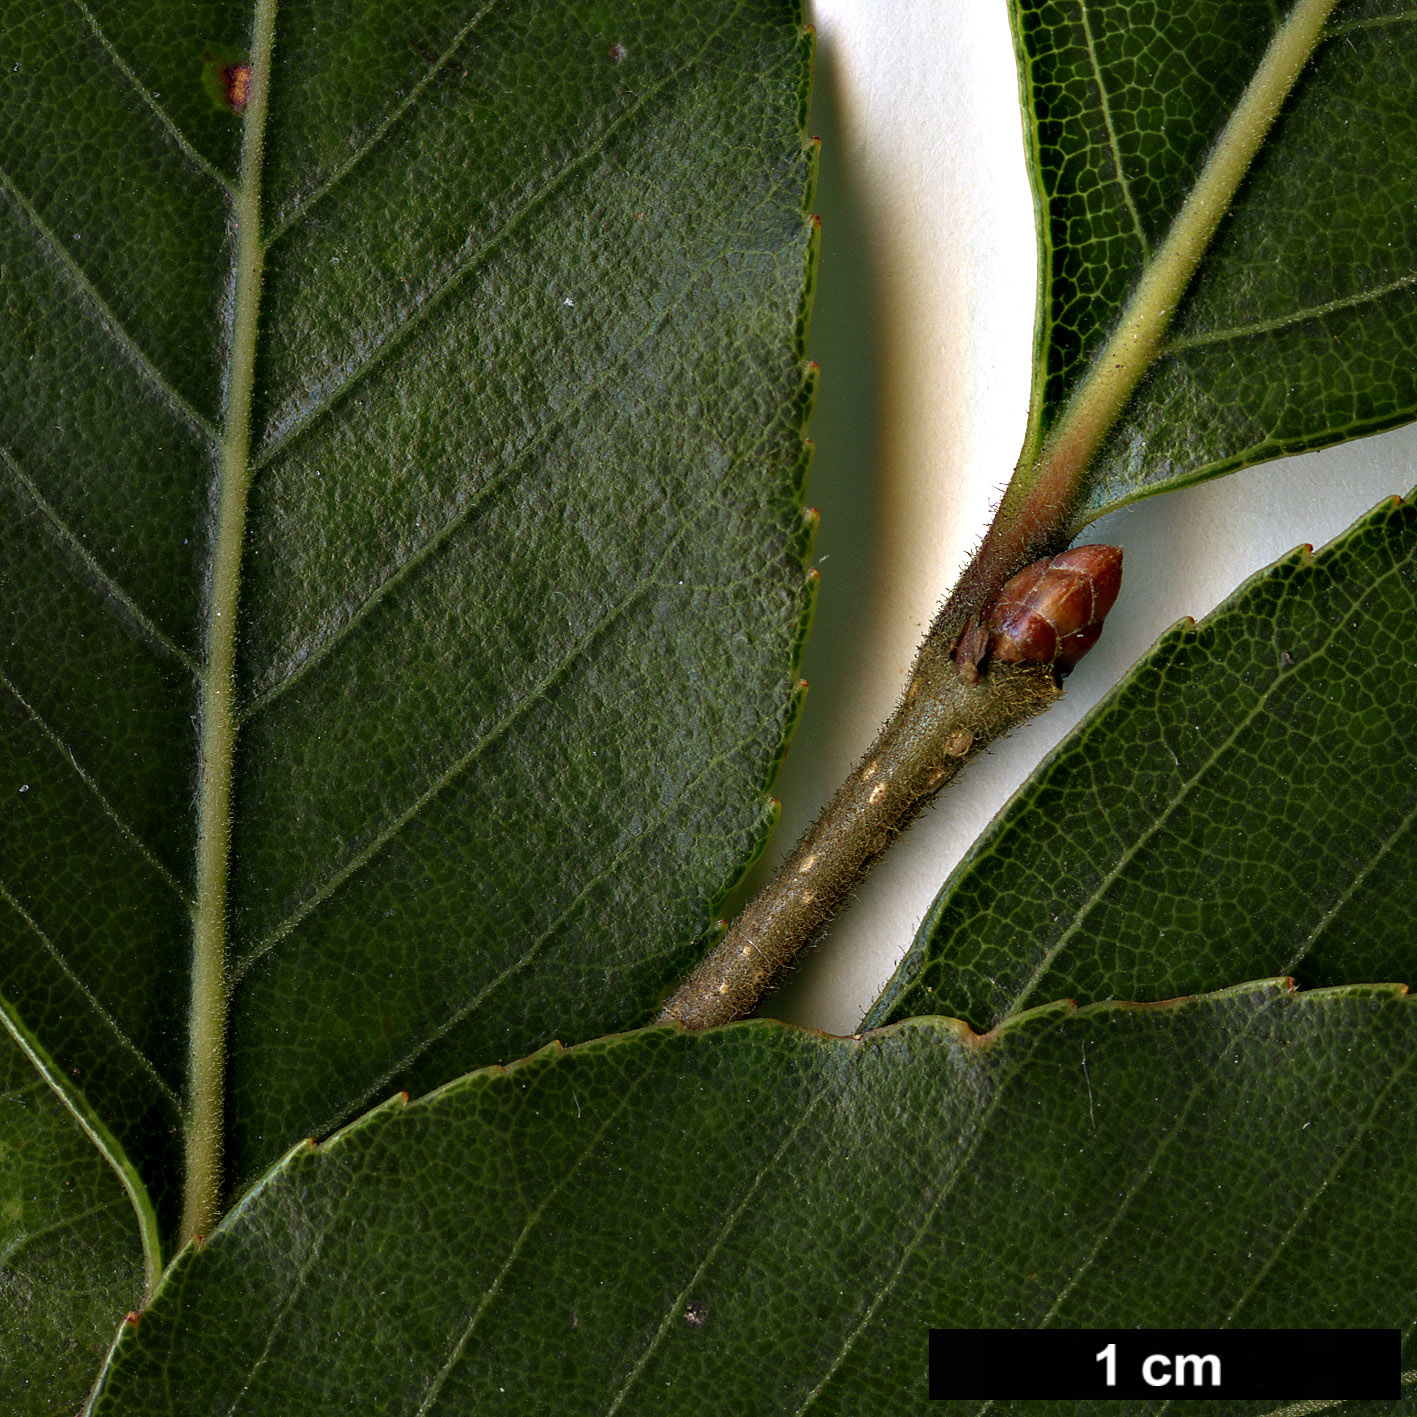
{"x": 648, "y": 1223}
{"x": 71, "y": 1260}
{"x": 472, "y": 394}
{"x": 1300, "y": 327}
{"x": 1241, "y": 804}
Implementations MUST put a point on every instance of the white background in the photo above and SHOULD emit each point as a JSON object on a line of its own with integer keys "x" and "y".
{"x": 923, "y": 330}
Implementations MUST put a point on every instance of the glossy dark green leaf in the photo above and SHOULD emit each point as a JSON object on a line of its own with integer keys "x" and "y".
{"x": 760, "y": 1219}
{"x": 71, "y": 1260}
{"x": 1300, "y": 328}
{"x": 1242, "y": 804}
{"x": 523, "y": 574}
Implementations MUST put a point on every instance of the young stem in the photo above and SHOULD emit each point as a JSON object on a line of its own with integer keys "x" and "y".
{"x": 201, "y": 1203}
{"x": 942, "y": 718}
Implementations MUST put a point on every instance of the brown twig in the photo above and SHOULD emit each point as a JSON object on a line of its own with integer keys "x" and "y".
{"x": 942, "y": 721}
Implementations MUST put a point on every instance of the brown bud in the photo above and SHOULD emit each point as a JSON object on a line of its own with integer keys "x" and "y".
{"x": 1052, "y": 611}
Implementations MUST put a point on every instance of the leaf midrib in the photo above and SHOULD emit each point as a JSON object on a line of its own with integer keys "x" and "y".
{"x": 207, "y": 1024}
{"x": 1135, "y": 343}
{"x": 1046, "y": 504}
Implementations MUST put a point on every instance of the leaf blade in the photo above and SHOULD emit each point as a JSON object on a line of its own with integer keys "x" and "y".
{"x": 639, "y": 1214}
{"x": 530, "y": 350}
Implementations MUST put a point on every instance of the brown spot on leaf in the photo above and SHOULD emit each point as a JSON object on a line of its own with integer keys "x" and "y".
{"x": 237, "y": 79}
